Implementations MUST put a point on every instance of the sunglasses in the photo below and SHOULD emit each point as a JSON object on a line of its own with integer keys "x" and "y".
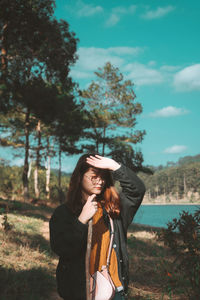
{"x": 95, "y": 179}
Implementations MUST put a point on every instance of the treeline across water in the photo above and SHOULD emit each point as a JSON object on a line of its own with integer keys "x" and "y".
{"x": 175, "y": 181}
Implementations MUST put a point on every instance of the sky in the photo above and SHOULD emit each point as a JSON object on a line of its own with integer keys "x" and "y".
{"x": 155, "y": 44}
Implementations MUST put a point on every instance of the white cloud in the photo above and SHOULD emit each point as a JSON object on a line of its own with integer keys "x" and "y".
{"x": 118, "y": 12}
{"x": 113, "y": 20}
{"x": 82, "y": 9}
{"x": 92, "y": 58}
{"x": 79, "y": 74}
{"x": 125, "y": 50}
{"x": 168, "y": 72}
{"x": 188, "y": 79}
{"x": 142, "y": 74}
{"x": 157, "y": 13}
{"x": 124, "y": 10}
{"x": 169, "y": 111}
{"x": 176, "y": 149}
{"x": 89, "y": 10}
{"x": 170, "y": 69}
{"x": 151, "y": 63}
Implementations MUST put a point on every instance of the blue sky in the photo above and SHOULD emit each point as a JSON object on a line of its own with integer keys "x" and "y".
{"x": 156, "y": 44}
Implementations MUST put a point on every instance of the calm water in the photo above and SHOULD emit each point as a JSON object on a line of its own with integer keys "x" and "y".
{"x": 160, "y": 215}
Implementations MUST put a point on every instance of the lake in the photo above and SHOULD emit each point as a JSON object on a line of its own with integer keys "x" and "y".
{"x": 160, "y": 215}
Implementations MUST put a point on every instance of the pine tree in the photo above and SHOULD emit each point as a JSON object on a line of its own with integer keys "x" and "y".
{"x": 110, "y": 101}
{"x": 35, "y": 50}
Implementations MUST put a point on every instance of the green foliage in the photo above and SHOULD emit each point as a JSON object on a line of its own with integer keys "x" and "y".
{"x": 5, "y": 224}
{"x": 10, "y": 177}
{"x": 124, "y": 153}
{"x": 36, "y": 53}
{"x": 183, "y": 238}
{"x": 112, "y": 111}
{"x": 174, "y": 182}
{"x": 35, "y": 44}
{"x": 10, "y": 180}
{"x": 189, "y": 159}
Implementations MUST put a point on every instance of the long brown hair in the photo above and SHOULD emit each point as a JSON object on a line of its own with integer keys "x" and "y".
{"x": 109, "y": 196}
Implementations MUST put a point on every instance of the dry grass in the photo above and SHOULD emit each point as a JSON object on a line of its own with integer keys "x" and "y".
{"x": 27, "y": 265}
{"x": 150, "y": 266}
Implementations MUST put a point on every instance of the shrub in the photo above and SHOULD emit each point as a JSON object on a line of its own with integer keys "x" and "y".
{"x": 182, "y": 236}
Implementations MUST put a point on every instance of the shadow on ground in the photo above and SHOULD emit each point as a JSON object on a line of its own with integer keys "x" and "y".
{"x": 150, "y": 267}
{"x": 141, "y": 227}
{"x": 33, "y": 241}
{"x": 33, "y": 284}
{"x": 42, "y": 212}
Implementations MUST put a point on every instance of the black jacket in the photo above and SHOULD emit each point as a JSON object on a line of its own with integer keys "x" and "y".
{"x": 68, "y": 237}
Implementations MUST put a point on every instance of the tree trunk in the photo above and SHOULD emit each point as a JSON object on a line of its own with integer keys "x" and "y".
{"x": 36, "y": 186}
{"x": 97, "y": 140}
{"x": 157, "y": 190}
{"x": 59, "y": 170}
{"x": 29, "y": 169}
{"x": 37, "y": 192}
{"x": 177, "y": 190}
{"x": 103, "y": 146}
{"x": 25, "y": 171}
{"x": 48, "y": 170}
{"x": 61, "y": 194}
{"x": 185, "y": 186}
{"x": 3, "y": 54}
{"x": 97, "y": 146}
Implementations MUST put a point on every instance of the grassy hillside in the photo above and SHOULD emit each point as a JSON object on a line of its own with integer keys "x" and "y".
{"x": 180, "y": 182}
{"x": 28, "y": 266}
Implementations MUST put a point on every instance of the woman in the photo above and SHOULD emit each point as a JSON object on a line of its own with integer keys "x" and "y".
{"x": 92, "y": 195}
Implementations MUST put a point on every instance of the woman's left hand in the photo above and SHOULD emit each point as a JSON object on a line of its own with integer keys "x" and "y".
{"x": 101, "y": 162}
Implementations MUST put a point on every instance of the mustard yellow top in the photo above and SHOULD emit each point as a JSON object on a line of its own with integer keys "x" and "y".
{"x": 100, "y": 246}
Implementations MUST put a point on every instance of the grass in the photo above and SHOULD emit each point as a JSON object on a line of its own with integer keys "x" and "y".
{"x": 151, "y": 266}
{"x": 27, "y": 265}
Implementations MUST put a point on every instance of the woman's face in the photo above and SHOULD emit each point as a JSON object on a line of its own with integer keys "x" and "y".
{"x": 92, "y": 182}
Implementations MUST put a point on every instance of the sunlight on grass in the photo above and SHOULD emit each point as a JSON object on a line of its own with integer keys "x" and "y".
{"x": 25, "y": 224}
{"x": 27, "y": 266}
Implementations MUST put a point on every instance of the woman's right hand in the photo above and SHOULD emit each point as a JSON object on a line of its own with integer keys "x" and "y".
{"x": 89, "y": 209}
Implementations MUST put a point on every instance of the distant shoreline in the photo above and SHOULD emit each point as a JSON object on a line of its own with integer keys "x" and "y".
{"x": 171, "y": 203}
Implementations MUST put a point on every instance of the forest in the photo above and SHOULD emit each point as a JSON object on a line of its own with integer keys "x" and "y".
{"x": 175, "y": 181}
{"x": 43, "y": 112}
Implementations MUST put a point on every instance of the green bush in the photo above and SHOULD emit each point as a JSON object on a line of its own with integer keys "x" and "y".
{"x": 182, "y": 236}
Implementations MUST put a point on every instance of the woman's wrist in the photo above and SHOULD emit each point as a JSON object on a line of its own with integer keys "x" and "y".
{"x": 115, "y": 166}
{"x": 82, "y": 219}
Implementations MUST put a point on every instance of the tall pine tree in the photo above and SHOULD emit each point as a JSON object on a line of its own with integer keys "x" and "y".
{"x": 112, "y": 108}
